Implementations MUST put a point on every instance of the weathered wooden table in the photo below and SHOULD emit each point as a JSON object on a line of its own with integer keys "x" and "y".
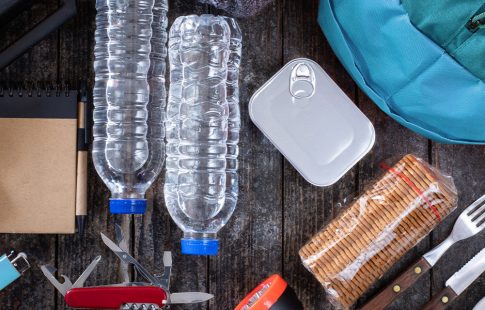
{"x": 277, "y": 211}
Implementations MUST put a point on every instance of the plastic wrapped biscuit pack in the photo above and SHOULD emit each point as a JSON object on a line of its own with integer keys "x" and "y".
{"x": 378, "y": 228}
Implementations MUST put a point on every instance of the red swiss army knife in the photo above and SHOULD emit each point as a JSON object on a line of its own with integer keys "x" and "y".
{"x": 150, "y": 295}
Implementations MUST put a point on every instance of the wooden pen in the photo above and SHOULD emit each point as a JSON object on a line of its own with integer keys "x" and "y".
{"x": 82, "y": 160}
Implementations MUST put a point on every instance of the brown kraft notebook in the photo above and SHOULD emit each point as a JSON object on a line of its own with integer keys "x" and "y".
{"x": 38, "y": 162}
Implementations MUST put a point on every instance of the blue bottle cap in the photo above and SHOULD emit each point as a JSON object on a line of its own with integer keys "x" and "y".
{"x": 200, "y": 246}
{"x": 127, "y": 206}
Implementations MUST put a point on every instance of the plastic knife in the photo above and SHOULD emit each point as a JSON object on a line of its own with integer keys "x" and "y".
{"x": 458, "y": 282}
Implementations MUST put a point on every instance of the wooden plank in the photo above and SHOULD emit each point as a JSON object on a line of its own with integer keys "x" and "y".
{"x": 466, "y": 165}
{"x": 75, "y": 252}
{"x": 303, "y": 38}
{"x": 251, "y": 242}
{"x": 393, "y": 141}
{"x": 306, "y": 207}
{"x": 31, "y": 291}
{"x": 40, "y": 62}
{"x": 277, "y": 210}
{"x": 155, "y": 232}
{"x": 76, "y": 45}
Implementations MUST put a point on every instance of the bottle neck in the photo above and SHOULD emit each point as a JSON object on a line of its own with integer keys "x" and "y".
{"x": 131, "y": 195}
{"x": 199, "y": 236}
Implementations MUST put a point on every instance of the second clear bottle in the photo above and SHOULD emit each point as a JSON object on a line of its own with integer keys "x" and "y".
{"x": 203, "y": 122}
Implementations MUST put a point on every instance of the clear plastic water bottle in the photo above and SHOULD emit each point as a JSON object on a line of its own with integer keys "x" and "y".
{"x": 203, "y": 121}
{"x": 129, "y": 98}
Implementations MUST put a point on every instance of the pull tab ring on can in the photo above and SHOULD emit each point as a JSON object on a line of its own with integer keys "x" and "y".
{"x": 302, "y": 81}
{"x": 271, "y": 294}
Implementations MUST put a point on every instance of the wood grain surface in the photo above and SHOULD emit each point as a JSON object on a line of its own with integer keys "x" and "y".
{"x": 277, "y": 212}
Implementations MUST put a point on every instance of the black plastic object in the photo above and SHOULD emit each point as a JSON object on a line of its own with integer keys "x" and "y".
{"x": 40, "y": 31}
{"x": 287, "y": 301}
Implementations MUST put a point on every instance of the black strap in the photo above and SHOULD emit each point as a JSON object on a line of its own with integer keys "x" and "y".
{"x": 40, "y": 31}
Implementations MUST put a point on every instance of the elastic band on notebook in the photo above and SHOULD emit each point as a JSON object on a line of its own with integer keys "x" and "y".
{"x": 413, "y": 186}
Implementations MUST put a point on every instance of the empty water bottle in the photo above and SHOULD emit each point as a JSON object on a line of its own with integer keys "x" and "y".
{"x": 203, "y": 121}
{"x": 129, "y": 98}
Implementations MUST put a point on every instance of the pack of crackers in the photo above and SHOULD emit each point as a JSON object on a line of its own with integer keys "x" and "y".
{"x": 394, "y": 213}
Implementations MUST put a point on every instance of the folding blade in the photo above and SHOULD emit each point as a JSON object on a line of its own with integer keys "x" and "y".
{"x": 49, "y": 271}
{"x": 127, "y": 258}
{"x": 123, "y": 244}
{"x": 468, "y": 273}
{"x": 167, "y": 269}
{"x": 120, "y": 238}
{"x": 82, "y": 278}
{"x": 189, "y": 297}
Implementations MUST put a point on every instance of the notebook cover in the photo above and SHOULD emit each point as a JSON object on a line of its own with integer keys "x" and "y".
{"x": 37, "y": 163}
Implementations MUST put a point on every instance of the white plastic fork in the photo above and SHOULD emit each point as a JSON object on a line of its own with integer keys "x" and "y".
{"x": 470, "y": 222}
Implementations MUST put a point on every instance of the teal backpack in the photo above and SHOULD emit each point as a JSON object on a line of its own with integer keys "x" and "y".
{"x": 421, "y": 61}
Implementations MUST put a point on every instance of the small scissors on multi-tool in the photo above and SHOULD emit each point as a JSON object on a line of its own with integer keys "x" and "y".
{"x": 150, "y": 295}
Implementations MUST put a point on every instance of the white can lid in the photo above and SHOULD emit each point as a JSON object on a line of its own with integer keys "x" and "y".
{"x": 312, "y": 122}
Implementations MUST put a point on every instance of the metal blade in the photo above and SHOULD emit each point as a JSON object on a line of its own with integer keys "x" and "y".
{"x": 167, "y": 259}
{"x": 480, "y": 305}
{"x": 49, "y": 271}
{"x": 123, "y": 244}
{"x": 468, "y": 273}
{"x": 167, "y": 269}
{"x": 120, "y": 238}
{"x": 127, "y": 258}
{"x": 189, "y": 297}
{"x": 82, "y": 278}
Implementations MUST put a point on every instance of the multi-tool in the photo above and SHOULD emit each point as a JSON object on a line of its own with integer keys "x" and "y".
{"x": 150, "y": 295}
{"x": 12, "y": 266}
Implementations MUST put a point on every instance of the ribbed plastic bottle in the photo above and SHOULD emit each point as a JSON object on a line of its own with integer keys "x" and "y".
{"x": 203, "y": 121}
{"x": 129, "y": 98}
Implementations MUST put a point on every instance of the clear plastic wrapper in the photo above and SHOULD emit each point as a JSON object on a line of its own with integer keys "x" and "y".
{"x": 371, "y": 234}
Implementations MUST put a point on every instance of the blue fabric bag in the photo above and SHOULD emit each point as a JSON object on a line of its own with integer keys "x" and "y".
{"x": 416, "y": 74}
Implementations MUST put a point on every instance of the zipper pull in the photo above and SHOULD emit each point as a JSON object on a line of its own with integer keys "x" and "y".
{"x": 476, "y": 22}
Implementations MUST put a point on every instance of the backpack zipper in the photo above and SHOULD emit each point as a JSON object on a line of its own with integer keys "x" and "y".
{"x": 477, "y": 21}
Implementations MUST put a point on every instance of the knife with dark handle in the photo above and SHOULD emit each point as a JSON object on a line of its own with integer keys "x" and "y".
{"x": 441, "y": 300}
{"x": 399, "y": 285}
{"x": 468, "y": 224}
{"x": 458, "y": 282}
